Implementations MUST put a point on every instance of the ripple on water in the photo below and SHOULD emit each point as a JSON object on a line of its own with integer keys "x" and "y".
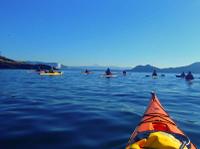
{"x": 87, "y": 111}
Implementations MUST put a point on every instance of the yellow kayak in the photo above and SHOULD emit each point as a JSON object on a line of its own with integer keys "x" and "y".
{"x": 51, "y": 73}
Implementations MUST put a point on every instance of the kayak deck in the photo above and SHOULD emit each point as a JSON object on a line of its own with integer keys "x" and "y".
{"x": 156, "y": 119}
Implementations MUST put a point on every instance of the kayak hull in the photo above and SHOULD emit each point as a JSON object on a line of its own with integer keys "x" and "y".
{"x": 156, "y": 119}
{"x": 51, "y": 74}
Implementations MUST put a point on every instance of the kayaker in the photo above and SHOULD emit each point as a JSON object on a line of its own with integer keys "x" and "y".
{"x": 189, "y": 76}
{"x": 162, "y": 75}
{"x": 51, "y": 70}
{"x": 124, "y": 72}
{"x": 108, "y": 72}
{"x": 86, "y": 71}
{"x": 182, "y": 75}
{"x": 154, "y": 74}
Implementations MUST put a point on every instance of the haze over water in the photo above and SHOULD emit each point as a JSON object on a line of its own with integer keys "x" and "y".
{"x": 88, "y": 111}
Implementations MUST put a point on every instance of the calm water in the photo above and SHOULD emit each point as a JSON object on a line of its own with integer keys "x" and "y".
{"x": 87, "y": 111}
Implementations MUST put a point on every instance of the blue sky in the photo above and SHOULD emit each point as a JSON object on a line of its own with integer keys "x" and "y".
{"x": 104, "y": 32}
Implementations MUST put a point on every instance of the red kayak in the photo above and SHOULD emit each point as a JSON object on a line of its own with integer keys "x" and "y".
{"x": 156, "y": 119}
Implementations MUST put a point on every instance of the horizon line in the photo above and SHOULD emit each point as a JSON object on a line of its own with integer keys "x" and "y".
{"x": 98, "y": 65}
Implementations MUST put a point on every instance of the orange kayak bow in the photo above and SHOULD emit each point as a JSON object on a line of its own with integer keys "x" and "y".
{"x": 156, "y": 119}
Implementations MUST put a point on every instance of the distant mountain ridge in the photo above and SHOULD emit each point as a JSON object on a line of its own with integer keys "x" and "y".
{"x": 97, "y": 67}
{"x": 194, "y": 67}
{"x": 6, "y": 63}
{"x": 52, "y": 64}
